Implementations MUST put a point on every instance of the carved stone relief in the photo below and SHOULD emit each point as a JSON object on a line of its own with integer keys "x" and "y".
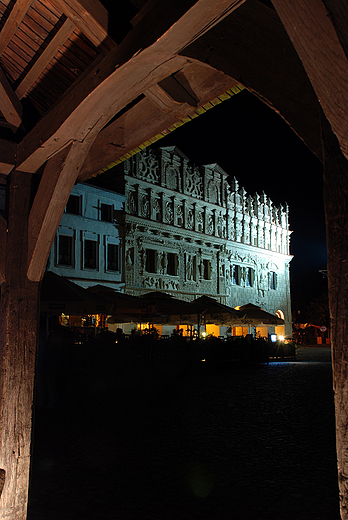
{"x": 200, "y": 222}
{"x": 148, "y": 167}
{"x": 194, "y": 183}
{"x": 145, "y": 206}
{"x": 172, "y": 178}
{"x": 210, "y": 225}
{"x": 131, "y": 203}
{"x": 213, "y": 193}
{"x": 190, "y": 219}
{"x": 169, "y": 214}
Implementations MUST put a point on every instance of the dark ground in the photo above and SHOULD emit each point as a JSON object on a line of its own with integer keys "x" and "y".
{"x": 141, "y": 443}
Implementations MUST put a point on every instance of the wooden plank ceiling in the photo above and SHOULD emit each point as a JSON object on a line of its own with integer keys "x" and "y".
{"x": 132, "y": 72}
{"x": 55, "y": 54}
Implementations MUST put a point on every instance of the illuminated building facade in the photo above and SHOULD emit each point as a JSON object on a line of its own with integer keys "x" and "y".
{"x": 177, "y": 228}
{"x": 88, "y": 248}
{"x": 189, "y": 231}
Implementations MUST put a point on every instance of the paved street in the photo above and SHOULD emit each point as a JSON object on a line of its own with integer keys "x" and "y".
{"x": 149, "y": 444}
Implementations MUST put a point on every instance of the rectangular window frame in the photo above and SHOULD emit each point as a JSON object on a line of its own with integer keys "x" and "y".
{"x": 106, "y": 212}
{"x": 112, "y": 257}
{"x": 273, "y": 281}
{"x": 249, "y": 277}
{"x": 65, "y": 250}
{"x": 172, "y": 264}
{"x": 236, "y": 274}
{"x": 206, "y": 266}
{"x": 151, "y": 260}
{"x": 90, "y": 260}
{"x": 74, "y": 205}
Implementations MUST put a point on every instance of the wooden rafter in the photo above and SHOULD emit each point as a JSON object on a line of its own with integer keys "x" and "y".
{"x": 105, "y": 91}
{"x": 51, "y": 50}
{"x": 90, "y": 16}
{"x": 10, "y": 106}
{"x": 147, "y": 121}
{"x": 315, "y": 39}
{"x": 170, "y": 96}
{"x": 17, "y": 14}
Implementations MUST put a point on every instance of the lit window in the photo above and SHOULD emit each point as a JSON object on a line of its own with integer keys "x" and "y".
{"x": 90, "y": 256}
{"x": 112, "y": 257}
{"x": 74, "y": 205}
{"x": 65, "y": 250}
{"x": 106, "y": 212}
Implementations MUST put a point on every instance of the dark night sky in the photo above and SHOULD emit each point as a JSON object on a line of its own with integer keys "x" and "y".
{"x": 251, "y": 142}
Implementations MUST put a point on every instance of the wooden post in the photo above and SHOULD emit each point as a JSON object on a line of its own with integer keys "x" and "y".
{"x": 336, "y": 213}
{"x": 19, "y": 311}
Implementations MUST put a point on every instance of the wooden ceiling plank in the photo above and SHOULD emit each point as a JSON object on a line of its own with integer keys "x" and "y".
{"x": 90, "y": 16}
{"x": 10, "y": 106}
{"x": 17, "y": 14}
{"x": 3, "y": 238}
{"x": 56, "y": 183}
{"x": 314, "y": 37}
{"x": 125, "y": 73}
{"x": 51, "y": 50}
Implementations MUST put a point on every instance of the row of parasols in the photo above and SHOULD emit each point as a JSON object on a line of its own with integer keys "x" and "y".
{"x": 59, "y": 295}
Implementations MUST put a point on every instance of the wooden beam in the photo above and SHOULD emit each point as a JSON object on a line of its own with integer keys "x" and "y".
{"x": 149, "y": 117}
{"x": 90, "y": 16}
{"x": 51, "y": 50}
{"x": 314, "y": 37}
{"x": 252, "y": 46}
{"x": 56, "y": 183}
{"x": 17, "y": 14}
{"x": 19, "y": 311}
{"x": 3, "y": 237}
{"x": 7, "y": 156}
{"x": 145, "y": 57}
{"x": 10, "y": 106}
{"x": 170, "y": 96}
{"x": 336, "y": 211}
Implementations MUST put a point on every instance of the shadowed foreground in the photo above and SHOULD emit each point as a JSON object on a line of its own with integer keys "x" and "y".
{"x": 153, "y": 442}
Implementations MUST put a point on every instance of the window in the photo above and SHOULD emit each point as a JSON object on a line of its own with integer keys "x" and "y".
{"x": 112, "y": 257}
{"x": 249, "y": 277}
{"x": 150, "y": 265}
{"x": 90, "y": 256}
{"x": 273, "y": 280}
{"x": 236, "y": 274}
{"x": 65, "y": 250}
{"x": 206, "y": 269}
{"x": 172, "y": 264}
{"x": 74, "y": 205}
{"x": 106, "y": 212}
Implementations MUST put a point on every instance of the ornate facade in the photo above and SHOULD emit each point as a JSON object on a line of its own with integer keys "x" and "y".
{"x": 188, "y": 231}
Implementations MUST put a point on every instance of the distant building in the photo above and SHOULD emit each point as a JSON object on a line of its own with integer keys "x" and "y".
{"x": 88, "y": 249}
{"x": 189, "y": 232}
{"x": 178, "y": 228}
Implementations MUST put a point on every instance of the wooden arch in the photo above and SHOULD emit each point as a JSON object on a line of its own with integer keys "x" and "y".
{"x": 173, "y": 60}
